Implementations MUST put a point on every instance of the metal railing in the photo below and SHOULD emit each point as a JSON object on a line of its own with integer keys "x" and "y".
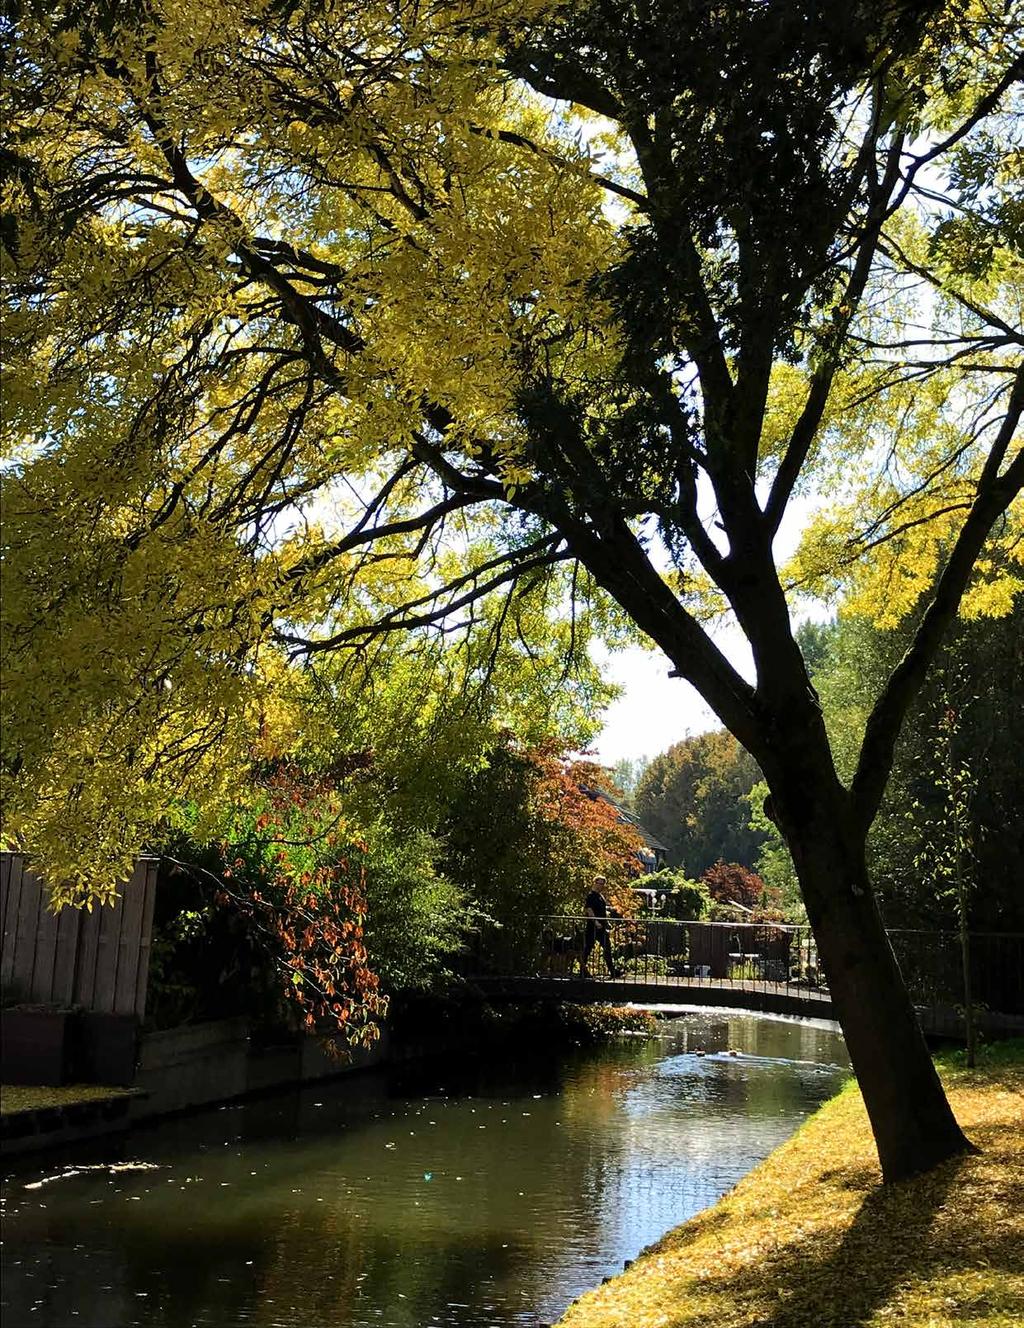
{"x": 932, "y": 966}
{"x": 666, "y": 952}
{"x": 778, "y": 958}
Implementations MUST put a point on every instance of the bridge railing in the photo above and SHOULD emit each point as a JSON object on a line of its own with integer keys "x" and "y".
{"x": 663, "y": 951}
{"x": 932, "y": 966}
{"x": 775, "y": 957}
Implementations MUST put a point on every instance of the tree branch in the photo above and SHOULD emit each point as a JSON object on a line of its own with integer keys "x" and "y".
{"x": 987, "y": 104}
{"x": 310, "y": 320}
{"x": 521, "y": 140}
{"x": 558, "y": 78}
{"x": 516, "y": 563}
{"x": 806, "y": 428}
{"x": 995, "y": 493}
{"x": 363, "y": 535}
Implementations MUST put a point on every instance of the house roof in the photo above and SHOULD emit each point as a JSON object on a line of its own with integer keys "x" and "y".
{"x": 626, "y": 815}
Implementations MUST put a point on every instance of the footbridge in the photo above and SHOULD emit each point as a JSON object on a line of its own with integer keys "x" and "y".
{"x": 768, "y": 968}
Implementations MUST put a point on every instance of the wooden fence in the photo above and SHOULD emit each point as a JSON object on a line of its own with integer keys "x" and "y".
{"x": 98, "y": 960}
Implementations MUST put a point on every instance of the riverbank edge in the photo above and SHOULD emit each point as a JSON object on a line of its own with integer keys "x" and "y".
{"x": 811, "y": 1239}
{"x": 198, "y": 1066}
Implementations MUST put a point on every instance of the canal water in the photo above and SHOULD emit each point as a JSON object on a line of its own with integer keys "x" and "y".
{"x": 470, "y": 1195}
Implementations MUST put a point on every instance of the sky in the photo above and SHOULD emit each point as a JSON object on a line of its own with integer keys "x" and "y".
{"x": 654, "y": 710}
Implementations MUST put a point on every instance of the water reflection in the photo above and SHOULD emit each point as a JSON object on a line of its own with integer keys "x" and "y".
{"x": 464, "y": 1196}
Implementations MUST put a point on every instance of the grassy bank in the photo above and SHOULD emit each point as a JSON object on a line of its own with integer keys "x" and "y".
{"x": 29, "y": 1097}
{"x": 810, "y": 1239}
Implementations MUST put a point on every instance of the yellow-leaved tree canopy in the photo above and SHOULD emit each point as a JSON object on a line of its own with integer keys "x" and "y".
{"x": 332, "y": 321}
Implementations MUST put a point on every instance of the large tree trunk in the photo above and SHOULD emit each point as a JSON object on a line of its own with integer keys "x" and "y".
{"x": 913, "y": 1124}
{"x": 782, "y": 726}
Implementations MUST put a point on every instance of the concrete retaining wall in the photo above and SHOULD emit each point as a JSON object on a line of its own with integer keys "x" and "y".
{"x": 190, "y": 1066}
{"x": 200, "y": 1064}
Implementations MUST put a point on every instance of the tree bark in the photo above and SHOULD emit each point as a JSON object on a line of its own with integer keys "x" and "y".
{"x": 913, "y": 1124}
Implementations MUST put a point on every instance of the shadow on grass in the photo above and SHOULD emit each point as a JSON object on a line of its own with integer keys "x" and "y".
{"x": 902, "y": 1235}
{"x": 888, "y": 1241}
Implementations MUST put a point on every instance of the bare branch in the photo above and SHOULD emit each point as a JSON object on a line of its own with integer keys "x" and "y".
{"x": 892, "y": 249}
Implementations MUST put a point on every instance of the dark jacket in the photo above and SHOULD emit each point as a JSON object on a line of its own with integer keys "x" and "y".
{"x": 596, "y": 904}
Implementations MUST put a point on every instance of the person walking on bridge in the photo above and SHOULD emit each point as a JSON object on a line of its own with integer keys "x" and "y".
{"x": 597, "y": 933}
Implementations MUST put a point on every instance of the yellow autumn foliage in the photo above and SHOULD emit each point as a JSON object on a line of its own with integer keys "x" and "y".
{"x": 895, "y": 483}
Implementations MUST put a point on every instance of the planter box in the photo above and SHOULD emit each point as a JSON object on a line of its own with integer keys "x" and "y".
{"x": 34, "y": 1045}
